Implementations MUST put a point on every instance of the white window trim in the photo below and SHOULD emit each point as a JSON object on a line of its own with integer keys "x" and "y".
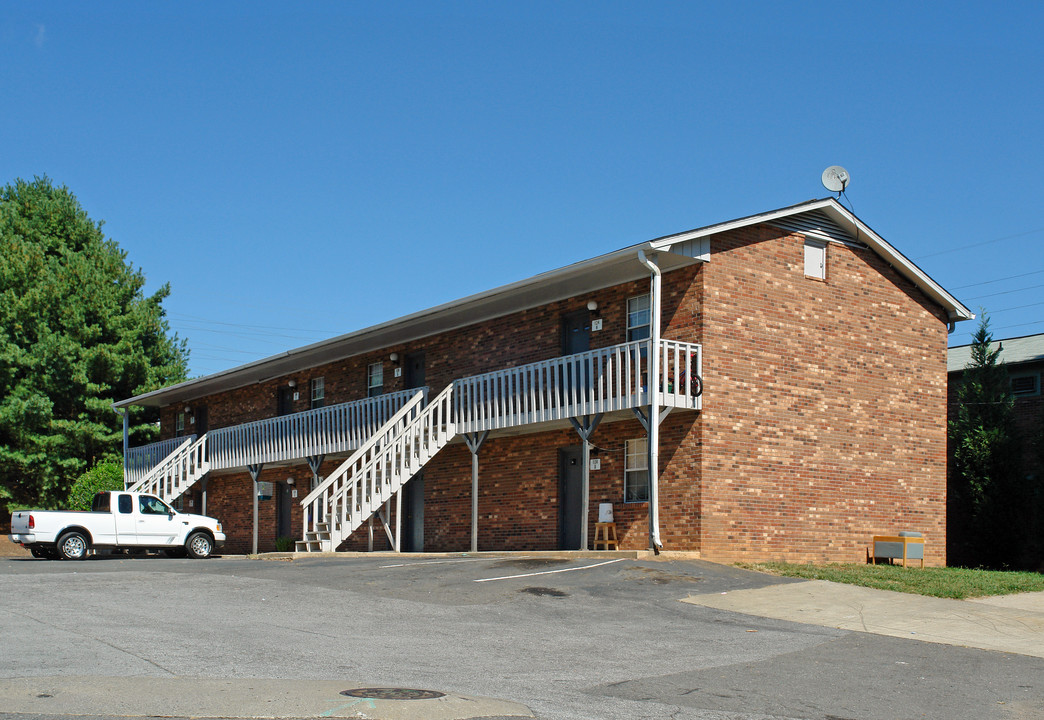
{"x": 374, "y": 371}
{"x": 646, "y": 325}
{"x": 1036, "y": 384}
{"x": 641, "y": 457}
{"x": 318, "y": 392}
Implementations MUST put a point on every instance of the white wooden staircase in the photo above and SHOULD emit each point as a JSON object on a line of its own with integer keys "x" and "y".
{"x": 177, "y": 472}
{"x": 365, "y": 484}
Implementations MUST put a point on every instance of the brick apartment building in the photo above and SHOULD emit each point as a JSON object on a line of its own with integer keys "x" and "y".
{"x": 784, "y": 373}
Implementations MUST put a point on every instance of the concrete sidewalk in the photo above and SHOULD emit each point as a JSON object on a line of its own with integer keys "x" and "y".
{"x": 233, "y": 698}
{"x": 1008, "y": 623}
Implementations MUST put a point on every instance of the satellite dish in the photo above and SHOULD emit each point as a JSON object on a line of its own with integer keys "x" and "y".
{"x": 836, "y": 179}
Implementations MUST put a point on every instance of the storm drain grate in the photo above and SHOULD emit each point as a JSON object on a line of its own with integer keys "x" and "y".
{"x": 393, "y": 694}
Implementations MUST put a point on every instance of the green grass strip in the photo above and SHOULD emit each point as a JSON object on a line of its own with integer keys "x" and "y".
{"x": 955, "y": 583}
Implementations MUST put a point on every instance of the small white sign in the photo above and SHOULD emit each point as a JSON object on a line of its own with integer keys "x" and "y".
{"x": 398, "y": 372}
{"x": 596, "y": 463}
{"x": 293, "y": 493}
{"x": 596, "y": 324}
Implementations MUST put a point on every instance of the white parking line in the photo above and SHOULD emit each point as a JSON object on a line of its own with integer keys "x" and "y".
{"x": 550, "y": 572}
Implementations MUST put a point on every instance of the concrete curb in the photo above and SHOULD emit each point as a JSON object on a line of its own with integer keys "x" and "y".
{"x": 233, "y": 698}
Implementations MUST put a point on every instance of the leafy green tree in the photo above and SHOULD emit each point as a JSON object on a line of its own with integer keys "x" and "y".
{"x": 76, "y": 334}
{"x": 985, "y": 455}
{"x": 107, "y": 475}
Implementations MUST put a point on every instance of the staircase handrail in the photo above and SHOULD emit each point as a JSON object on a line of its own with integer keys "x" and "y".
{"x": 369, "y": 477}
{"x": 185, "y": 451}
{"x": 408, "y": 407}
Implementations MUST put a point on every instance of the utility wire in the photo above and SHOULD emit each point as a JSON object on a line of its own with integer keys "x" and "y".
{"x": 980, "y": 244}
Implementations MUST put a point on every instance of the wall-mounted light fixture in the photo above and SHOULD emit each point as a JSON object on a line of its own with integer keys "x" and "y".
{"x": 592, "y": 305}
{"x": 292, "y": 383}
{"x": 188, "y": 409}
{"x": 289, "y": 481}
{"x": 394, "y": 357}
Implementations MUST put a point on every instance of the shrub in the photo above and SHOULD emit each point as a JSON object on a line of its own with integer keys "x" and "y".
{"x": 103, "y": 476}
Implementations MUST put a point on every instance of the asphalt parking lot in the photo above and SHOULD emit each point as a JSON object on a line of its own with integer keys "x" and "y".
{"x": 501, "y": 636}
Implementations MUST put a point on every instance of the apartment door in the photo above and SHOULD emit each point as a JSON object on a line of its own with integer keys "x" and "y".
{"x": 284, "y": 507}
{"x": 201, "y": 420}
{"x": 413, "y": 515}
{"x": 576, "y": 338}
{"x": 576, "y": 332}
{"x": 284, "y": 400}
{"x": 414, "y": 370}
{"x": 570, "y": 497}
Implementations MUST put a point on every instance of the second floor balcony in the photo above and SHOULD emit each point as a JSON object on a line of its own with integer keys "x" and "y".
{"x": 611, "y": 381}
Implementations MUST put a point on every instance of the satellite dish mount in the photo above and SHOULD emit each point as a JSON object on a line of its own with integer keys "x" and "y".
{"x": 836, "y": 179}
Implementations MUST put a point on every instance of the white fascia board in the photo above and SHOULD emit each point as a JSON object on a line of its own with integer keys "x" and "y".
{"x": 956, "y": 310}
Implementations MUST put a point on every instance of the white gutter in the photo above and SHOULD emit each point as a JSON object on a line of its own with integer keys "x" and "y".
{"x": 653, "y": 383}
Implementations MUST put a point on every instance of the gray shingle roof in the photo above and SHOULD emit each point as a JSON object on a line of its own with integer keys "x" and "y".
{"x": 1014, "y": 351}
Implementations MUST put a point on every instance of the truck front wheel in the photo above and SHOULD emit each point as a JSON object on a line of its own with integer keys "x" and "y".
{"x": 199, "y": 545}
{"x": 73, "y": 545}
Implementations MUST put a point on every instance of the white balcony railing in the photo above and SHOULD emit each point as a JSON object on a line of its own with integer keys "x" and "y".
{"x": 141, "y": 460}
{"x": 589, "y": 383}
{"x": 334, "y": 429}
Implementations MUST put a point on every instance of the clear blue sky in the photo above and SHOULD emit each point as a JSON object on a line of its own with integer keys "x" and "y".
{"x": 300, "y": 170}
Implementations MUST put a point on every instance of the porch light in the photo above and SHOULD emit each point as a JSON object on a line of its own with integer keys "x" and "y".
{"x": 394, "y": 357}
{"x": 292, "y": 384}
{"x": 592, "y": 305}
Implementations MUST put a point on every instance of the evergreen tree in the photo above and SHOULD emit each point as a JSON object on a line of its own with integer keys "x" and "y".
{"x": 985, "y": 456}
{"x": 76, "y": 334}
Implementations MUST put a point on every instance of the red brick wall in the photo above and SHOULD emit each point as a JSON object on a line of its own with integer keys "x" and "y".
{"x": 825, "y": 404}
{"x": 823, "y": 420}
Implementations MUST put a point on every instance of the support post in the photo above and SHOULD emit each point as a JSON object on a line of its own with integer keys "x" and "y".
{"x": 474, "y": 442}
{"x": 255, "y": 471}
{"x": 586, "y": 430}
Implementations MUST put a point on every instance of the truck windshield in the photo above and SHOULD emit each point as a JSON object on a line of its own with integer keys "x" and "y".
{"x": 148, "y": 505}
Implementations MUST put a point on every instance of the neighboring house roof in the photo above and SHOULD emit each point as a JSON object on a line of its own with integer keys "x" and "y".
{"x": 826, "y": 219}
{"x": 1014, "y": 351}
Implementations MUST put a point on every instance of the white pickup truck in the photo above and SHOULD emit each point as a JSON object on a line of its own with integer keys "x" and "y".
{"x": 116, "y": 520}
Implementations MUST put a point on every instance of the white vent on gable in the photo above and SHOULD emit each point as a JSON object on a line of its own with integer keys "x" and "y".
{"x": 816, "y": 224}
{"x": 1025, "y": 385}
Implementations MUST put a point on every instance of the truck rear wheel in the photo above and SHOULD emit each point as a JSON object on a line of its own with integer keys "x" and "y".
{"x": 73, "y": 545}
{"x": 199, "y": 545}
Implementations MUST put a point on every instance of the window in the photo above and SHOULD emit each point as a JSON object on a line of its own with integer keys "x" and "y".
{"x": 374, "y": 379}
{"x": 318, "y": 392}
{"x": 638, "y": 318}
{"x": 126, "y": 504}
{"x": 148, "y": 505}
{"x": 1025, "y": 385}
{"x": 636, "y": 470}
{"x": 179, "y": 424}
{"x": 815, "y": 260}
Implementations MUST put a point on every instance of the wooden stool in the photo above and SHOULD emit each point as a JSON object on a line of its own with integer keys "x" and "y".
{"x": 605, "y": 534}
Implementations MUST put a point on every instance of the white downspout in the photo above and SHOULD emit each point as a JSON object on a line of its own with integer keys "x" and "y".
{"x": 653, "y": 384}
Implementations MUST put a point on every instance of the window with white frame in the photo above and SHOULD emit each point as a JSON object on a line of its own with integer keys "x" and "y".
{"x": 318, "y": 392}
{"x": 1025, "y": 384}
{"x": 815, "y": 259}
{"x": 636, "y": 470}
{"x": 179, "y": 424}
{"x": 638, "y": 318}
{"x": 375, "y": 379}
